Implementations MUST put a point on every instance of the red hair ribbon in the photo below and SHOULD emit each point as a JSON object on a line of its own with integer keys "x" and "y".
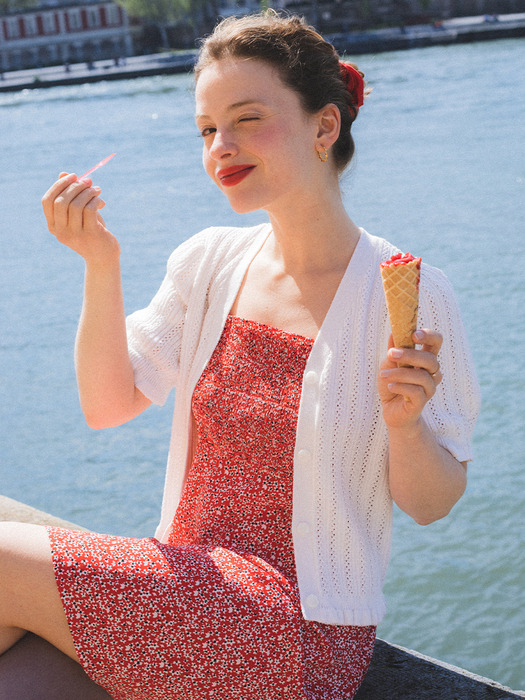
{"x": 354, "y": 82}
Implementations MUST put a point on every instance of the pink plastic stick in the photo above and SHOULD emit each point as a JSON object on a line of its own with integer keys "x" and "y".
{"x": 97, "y": 166}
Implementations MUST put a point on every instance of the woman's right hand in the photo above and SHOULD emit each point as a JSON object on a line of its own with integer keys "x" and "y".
{"x": 71, "y": 207}
{"x": 106, "y": 383}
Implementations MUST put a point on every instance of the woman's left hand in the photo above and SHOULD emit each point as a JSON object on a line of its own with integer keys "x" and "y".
{"x": 404, "y": 391}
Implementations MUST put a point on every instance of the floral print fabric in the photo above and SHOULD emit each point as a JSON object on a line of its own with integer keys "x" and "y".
{"x": 215, "y": 612}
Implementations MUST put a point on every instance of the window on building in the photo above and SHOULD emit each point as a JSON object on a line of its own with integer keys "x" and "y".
{"x": 12, "y": 28}
{"x": 74, "y": 19}
{"x": 48, "y": 23}
{"x": 112, "y": 14}
{"x": 30, "y": 25}
{"x": 94, "y": 17}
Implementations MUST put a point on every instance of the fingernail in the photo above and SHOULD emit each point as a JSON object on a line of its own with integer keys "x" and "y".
{"x": 419, "y": 335}
{"x": 396, "y": 352}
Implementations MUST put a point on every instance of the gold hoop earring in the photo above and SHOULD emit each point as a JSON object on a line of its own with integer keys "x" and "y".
{"x": 323, "y": 156}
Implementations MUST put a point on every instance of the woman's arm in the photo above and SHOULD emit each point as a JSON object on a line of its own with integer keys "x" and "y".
{"x": 425, "y": 479}
{"x": 107, "y": 390}
{"x": 108, "y": 395}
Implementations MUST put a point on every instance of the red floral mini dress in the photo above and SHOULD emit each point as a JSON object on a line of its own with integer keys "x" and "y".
{"x": 215, "y": 612}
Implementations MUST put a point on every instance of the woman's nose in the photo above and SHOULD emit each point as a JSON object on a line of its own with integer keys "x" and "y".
{"x": 223, "y": 146}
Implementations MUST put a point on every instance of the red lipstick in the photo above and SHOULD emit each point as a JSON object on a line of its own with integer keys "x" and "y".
{"x": 233, "y": 175}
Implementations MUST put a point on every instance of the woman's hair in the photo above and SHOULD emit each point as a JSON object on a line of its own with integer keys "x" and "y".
{"x": 306, "y": 62}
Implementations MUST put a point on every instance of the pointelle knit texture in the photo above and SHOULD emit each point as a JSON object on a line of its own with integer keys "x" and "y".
{"x": 342, "y": 508}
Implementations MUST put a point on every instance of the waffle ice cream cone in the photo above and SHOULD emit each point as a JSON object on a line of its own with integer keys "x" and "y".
{"x": 400, "y": 277}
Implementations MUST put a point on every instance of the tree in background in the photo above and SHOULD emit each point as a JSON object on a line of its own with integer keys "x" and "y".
{"x": 16, "y": 5}
{"x": 202, "y": 14}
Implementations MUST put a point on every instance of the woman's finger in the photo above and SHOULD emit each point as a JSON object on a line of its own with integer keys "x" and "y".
{"x": 90, "y": 216}
{"x": 66, "y": 204}
{"x": 424, "y": 356}
{"x": 48, "y": 200}
{"x": 430, "y": 341}
{"x": 419, "y": 359}
{"x": 78, "y": 205}
{"x": 57, "y": 199}
{"x": 404, "y": 379}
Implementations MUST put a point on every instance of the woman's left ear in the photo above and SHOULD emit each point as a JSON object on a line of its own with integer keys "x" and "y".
{"x": 329, "y": 124}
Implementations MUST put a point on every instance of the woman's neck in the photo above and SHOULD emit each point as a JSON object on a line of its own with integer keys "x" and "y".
{"x": 314, "y": 238}
{"x": 292, "y": 281}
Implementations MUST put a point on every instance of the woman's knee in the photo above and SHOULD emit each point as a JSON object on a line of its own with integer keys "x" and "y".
{"x": 29, "y": 597}
{"x": 25, "y": 553}
{"x": 25, "y": 564}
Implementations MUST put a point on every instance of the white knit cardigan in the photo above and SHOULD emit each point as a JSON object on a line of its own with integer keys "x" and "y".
{"x": 342, "y": 508}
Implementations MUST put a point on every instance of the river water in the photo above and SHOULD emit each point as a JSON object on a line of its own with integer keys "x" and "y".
{"x": 440, "y": 171}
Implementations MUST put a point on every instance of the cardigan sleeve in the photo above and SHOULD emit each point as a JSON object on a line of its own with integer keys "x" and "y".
{"x": 155, "y": 333}
{"x": 452, "y": 412}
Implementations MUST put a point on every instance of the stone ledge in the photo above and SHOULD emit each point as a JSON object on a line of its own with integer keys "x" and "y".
{"x": 20, "y": 512}
{"x": 395, "y": 673}
{"x": 401, "y": 674}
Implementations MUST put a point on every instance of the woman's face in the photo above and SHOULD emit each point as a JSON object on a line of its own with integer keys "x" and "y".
{"x": 259, "y": 143}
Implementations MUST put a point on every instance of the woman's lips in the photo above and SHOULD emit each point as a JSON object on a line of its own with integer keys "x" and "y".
{"x": 233, "y": 175}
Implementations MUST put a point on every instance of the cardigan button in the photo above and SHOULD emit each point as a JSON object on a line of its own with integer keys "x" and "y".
{"x": 311, "y": 378}
{"x": 303, "y": 529}
{"x": 304, "y": 457}
{"x": 312, "y": 601}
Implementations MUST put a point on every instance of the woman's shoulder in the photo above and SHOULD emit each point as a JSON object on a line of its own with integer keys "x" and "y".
{"x": 375, "y": 246}
{"x": 216, "y": 242}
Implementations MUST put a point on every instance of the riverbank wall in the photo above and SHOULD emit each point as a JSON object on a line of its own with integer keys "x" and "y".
{"x": 80, "y": 73}
{"x": 461, "y": 30}
{"x": 395, "y": 673}
{"x": 453, "y": 31}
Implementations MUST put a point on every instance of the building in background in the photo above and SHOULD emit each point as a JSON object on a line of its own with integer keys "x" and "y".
{"x": 55, "y": 33}
{"x": 60, "y": 32}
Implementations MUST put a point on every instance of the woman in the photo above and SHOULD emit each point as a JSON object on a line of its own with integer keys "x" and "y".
{"x": 294, "y": 425}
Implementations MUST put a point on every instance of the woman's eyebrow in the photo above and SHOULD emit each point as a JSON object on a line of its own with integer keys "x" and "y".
{"x": 235, "y": 105}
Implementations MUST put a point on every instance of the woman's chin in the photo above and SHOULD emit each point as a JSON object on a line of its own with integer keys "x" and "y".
{"x": 244, "y": 207}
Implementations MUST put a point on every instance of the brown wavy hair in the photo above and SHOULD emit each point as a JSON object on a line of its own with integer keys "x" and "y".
{"x": 306, "y": 62}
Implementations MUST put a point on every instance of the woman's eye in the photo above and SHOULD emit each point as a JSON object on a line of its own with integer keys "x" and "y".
{"x": 207, "y": 131}
{"x": 248, "y": 119}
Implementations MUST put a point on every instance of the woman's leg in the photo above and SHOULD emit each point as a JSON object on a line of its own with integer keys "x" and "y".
{"x": 29, "y": 597}
{"x": 35, "y": 669}
{"x": 30, "y": 602}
